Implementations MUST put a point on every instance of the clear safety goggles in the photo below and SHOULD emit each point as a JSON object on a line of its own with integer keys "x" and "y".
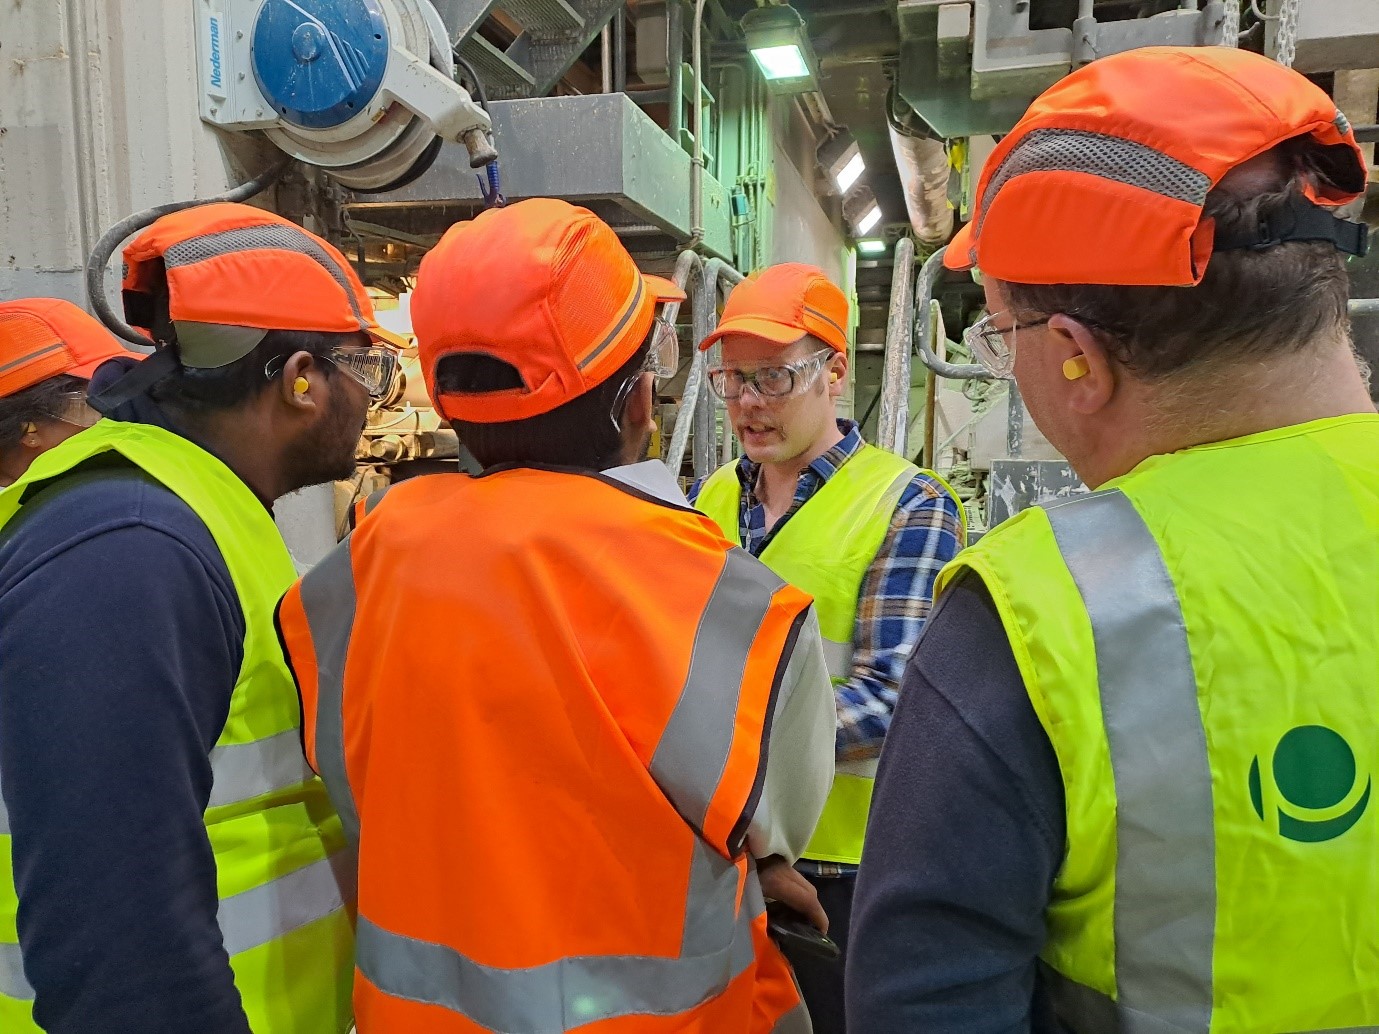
{"x": 71, "y": 407}
{"x": 993, "y": 346}
{"x": 373, "y": 367}
{"x": 662, "y": 361}
{"x": 769, "y": 382}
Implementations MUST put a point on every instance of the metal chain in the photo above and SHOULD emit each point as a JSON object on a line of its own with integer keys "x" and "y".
{"x": 1230, "y": 24}
{"x": 1287, "y": 42}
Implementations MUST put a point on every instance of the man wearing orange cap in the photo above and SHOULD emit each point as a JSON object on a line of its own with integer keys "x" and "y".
{"x": 48, "y": 351}
{"x": 572, "y": 730}
{"x": 1129, "y": 785}
{"x": 176, "y": 866}
{"x": 863, "y": 531}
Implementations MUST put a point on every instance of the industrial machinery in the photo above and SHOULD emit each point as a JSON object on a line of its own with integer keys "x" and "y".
{"x": 364, "y": 89}
{"x": 714, "y": 136}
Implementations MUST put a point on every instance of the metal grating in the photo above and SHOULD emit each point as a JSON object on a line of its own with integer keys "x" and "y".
{"x": 544, "y": 19}
{"x": 502, "y": 76}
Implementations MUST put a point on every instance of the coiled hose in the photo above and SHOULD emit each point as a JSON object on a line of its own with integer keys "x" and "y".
{"x": 125, "y": 228}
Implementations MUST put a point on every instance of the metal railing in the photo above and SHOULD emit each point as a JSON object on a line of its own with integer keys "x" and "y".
{"x": 700, "y": 279}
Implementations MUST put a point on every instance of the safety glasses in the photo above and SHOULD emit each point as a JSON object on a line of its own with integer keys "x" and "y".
{"x": 993, "y": 346}
{"x": 769, "y": 382}
{"x": 371, "y": 366}
{"x": 662, "y": 361}
{"x": 72, "y": 408}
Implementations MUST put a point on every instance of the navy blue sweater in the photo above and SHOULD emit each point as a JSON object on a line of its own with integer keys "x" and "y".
{"x": 965, "y": 836}
{"x": 121, "y": 637}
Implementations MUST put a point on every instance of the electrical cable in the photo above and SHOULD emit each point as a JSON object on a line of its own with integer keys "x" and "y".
{"x": 127, "y": 227}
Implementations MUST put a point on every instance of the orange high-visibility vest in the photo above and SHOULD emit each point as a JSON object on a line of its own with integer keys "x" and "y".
{"x": 540, "y": 701}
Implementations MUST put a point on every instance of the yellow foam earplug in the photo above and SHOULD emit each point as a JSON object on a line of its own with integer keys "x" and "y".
{"x": 833, "y": 379}
{"x": 300, "y": 386}
{"x": 31, "y": 428}
{"x": 1075, "y": 368}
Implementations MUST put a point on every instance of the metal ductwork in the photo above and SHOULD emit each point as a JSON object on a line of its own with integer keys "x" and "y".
{"x": 922, "y": 161}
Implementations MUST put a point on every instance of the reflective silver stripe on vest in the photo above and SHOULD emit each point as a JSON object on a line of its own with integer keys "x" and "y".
{"x": 13, "y": 983}
{"x": 571, "y": 992}
{"x": 4, "y": 815}
{"x": 243, "y": 771}
{"x": 838, "y": 658}
{"x": 255, "y": 917}
{"x": 693, "y": 750}
{"x": 796, "y": 1021}
{"x": 1165, "y": 903}
{"x": 328, "y": 600}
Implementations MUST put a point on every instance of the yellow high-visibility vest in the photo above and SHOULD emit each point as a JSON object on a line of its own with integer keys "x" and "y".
{"x": 282, "y": 868}
{"x": 1200, "y": 641}
{"x": 825, "y": 549}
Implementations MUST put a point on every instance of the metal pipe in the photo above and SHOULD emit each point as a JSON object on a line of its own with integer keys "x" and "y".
{"x": 928, "y": 277}
{"x": 924, "y": 172}
{"x": 704, "y": 447}
{"x": 697, "y": 161}
{"x": 620, "y": 50}
{"x": 675, "y": 60}
{"x": 1084, "y": 9}
{"x": 1364, "y": 307}
{"x": 893, "y": 427}
{"x": 606, "y": 58}
{"x": 1015, "y": 423}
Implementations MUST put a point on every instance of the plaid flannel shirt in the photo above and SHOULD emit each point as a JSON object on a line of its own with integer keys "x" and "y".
{"x": 897, "y": 591}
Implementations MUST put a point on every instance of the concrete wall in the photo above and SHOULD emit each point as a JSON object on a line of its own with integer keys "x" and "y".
{"x": 98, "y": 119}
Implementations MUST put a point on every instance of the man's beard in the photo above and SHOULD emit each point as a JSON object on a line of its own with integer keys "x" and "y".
{"x": 326, "y": 452}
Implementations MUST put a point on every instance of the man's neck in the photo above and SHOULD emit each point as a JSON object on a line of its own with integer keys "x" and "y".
{"x": 1313, "y": 385}
{"x": 776, "y": 481}
{"x": 248, "y": 456}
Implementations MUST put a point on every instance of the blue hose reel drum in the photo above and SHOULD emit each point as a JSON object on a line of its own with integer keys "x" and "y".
{"x": 320, "y": 62}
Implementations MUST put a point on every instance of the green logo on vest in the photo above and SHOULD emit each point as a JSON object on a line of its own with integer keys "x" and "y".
{"x": 1316, "y": 790}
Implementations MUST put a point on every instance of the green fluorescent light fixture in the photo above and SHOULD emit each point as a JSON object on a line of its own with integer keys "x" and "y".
{"x": 779, "y": 42}
{"x": 871, "y": 247}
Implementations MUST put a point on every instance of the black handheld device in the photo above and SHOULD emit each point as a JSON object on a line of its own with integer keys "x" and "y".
{"x": 791, "y": 929}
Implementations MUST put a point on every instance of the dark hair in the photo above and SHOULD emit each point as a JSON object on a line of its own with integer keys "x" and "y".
{"x": 579, "y": 433}
{"x": 1250, "y": 304}
{"x": 201, "y": 391}
{"x": 206, "y": 390}
{"x": 35, "y": 403}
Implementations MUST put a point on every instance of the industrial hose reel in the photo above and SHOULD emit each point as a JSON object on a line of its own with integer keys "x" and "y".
{"x": 363, "y": 89}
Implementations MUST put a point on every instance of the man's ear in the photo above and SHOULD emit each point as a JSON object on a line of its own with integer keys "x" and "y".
{"x": 639, "y": 413}
{"x": 303, "y": 382}
{"x": 1089, "y": 376}
{"x": 836, "y": 373}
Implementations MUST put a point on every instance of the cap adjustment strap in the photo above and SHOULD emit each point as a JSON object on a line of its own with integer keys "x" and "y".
{"x": 1299, "y": 220}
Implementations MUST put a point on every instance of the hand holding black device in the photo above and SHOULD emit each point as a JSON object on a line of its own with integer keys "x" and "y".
{"x": 791, "y": 929}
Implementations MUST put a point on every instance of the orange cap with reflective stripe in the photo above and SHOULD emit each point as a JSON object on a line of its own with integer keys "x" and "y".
{"x": 1104, "y": 178}
{"x": 543, "y": 286}
{"x": 231, "y": 265}
{"x": 44, "y": 337}
{"x": 782, "y": 304}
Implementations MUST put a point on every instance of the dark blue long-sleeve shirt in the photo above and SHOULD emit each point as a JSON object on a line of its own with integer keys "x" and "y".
{"x": 121, "y": 637}
{"x": 965, "y": 836}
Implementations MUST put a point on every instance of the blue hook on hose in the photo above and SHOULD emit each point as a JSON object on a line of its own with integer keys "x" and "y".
{"x": 492, "y": 191}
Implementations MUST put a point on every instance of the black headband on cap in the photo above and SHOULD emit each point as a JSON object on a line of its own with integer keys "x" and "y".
{"x": 1299, "y": 220}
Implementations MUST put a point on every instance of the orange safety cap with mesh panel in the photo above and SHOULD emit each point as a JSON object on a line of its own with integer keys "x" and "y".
{"x": 238, "y": 266}
{"x": 543, "y": 286}
{"x": 45, "y": 337}
{"x": 784, "y": 303}
{"x": 1104, "y": 178}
